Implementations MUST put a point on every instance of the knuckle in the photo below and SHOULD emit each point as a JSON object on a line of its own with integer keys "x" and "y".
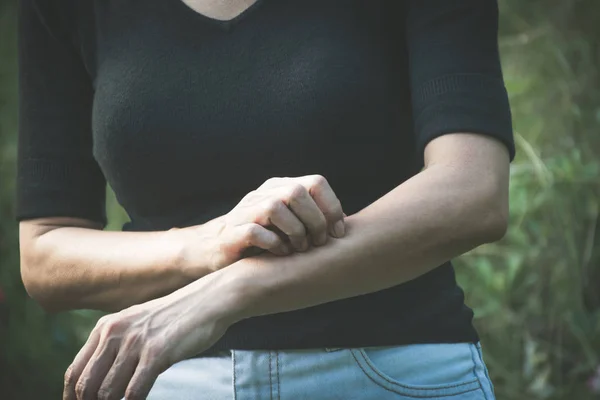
{"x": 252, "y": 230}
{"x": 70, "y": 377}
{"x": 104, "y": 318}
{"x": 133, "y": 394}
{"x": 319, "y": 181}
{"x": 104, "y": 393}
{"x": 81, "y": 389}
{"x": 295, "y": 191}
{"x": 102, "y": 321}
{"x": 249, "y": 195}
{"x": 110, "y": 327}
{"x": 271, "y": 182}
{"x": 273, "y": 206}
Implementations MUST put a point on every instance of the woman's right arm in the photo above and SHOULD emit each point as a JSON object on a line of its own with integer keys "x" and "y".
{"x": 71, "y": 263}
{"x": 67, "y": 260}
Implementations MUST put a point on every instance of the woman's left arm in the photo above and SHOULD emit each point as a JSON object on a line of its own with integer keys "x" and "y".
{"x": 458, "y": 202}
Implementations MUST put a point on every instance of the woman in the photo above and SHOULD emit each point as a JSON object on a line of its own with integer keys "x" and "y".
{"x": 232, "y": 133}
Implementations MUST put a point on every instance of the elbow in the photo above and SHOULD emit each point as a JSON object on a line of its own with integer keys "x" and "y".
{"x": 46, "y": 276}
{"x": 491, "y": 222}
{"x": 495, "y": 228}
{"x": 38, "y": 285}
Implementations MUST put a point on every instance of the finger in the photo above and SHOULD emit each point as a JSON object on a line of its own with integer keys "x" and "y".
{"x": 306, "y": 209}
{"x": 78, "y": 365}
{"x": 142, "y": 380}
{"x": 285, "y": 248}
{"x": 323, "y": 195}
{"x": 118, "y": 377}
{"x": 327, "y": 201}
{"x": 258, "y": 236}
{"x": 287, "y": 222}
{"x": 95, "y": 371}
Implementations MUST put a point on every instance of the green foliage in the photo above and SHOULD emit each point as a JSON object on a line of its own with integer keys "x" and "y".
{"x": 535, "y": 293}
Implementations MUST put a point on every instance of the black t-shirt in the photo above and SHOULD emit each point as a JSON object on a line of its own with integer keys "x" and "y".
{"x": 183, "y": 115}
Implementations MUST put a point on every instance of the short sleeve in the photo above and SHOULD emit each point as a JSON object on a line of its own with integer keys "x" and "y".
{"x": 455, "y": 73}
{"x": 57, "y": 174}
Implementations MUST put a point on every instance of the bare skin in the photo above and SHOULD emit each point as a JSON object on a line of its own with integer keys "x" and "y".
{"x": 68, "y": 263}
{"x": 222, "y": 10}
{"x": 458, "y": 202}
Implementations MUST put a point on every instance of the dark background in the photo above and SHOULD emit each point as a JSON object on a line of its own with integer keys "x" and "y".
{"x": 535, "y": 293}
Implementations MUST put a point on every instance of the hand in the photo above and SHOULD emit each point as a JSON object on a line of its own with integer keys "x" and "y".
{"x": 282, "y": 215}
{"x": 127, "y": 351}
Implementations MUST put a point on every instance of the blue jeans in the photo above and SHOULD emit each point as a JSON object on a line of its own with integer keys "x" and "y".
{"x": 422, "y": 371}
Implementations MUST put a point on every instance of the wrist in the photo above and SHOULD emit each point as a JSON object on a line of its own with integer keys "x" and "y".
{"x": 222, "y": 296}
{"x": 231, "y": 290}
{"x": 244, "y": 287}
{"x": 193, "y": 252}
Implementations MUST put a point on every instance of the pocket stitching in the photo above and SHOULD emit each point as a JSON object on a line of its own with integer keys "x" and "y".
{"x": 374, "y": 370}
{"x": 369, "y": 376}
{"x": 391, "y": 380}
{"x": 235, "y": 396}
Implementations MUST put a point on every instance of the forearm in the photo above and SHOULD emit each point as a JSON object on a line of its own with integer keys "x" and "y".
{"x": 77, "y": 267}
{"x": 435, "y": 216}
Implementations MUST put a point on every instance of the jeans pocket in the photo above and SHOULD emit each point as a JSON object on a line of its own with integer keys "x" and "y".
{"x": 422, "y": 370}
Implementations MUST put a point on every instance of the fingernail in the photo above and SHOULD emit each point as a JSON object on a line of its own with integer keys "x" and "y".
{"x": 304, "y": 244}
{"x": 320, "y": 239}
{"x": 339, "y": 229}
{"x": 285, "y": 248}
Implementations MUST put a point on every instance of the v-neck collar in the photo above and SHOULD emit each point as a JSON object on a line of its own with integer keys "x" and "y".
{"x": 225, "y": 25}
